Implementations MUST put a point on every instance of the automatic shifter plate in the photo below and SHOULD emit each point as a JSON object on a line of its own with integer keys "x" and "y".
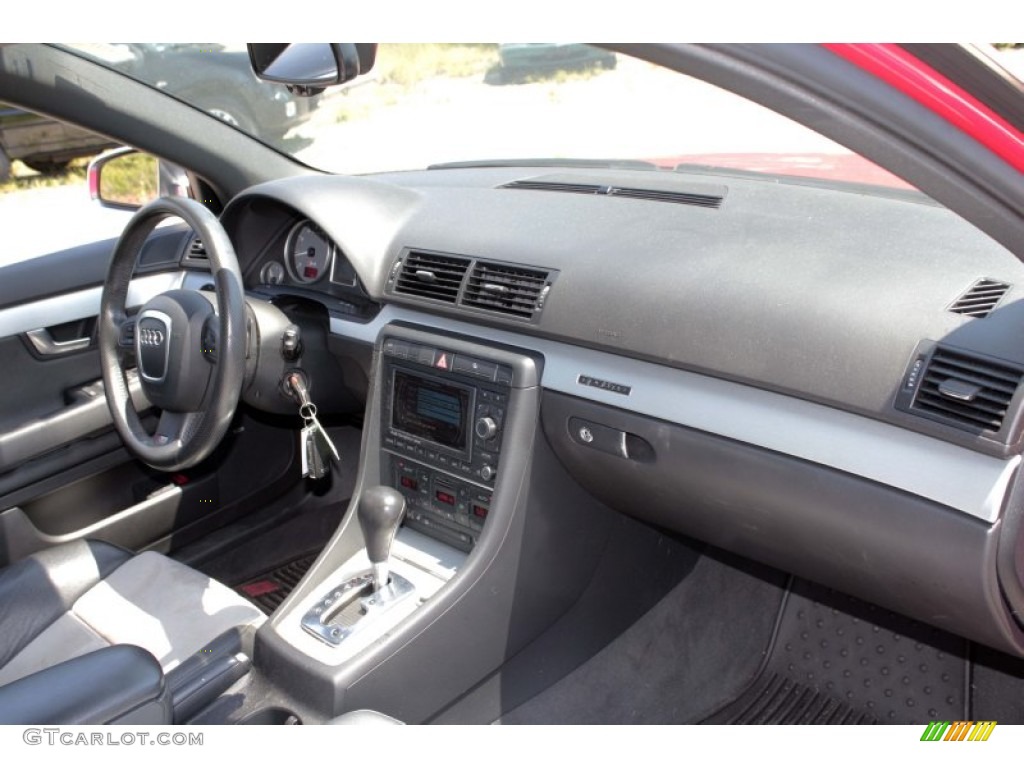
{"x": 353, "y": 607}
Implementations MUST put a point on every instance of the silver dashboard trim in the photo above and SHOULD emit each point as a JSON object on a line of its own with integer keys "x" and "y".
{"x": 899, "y": 458}
{"x": 67, "y": 307}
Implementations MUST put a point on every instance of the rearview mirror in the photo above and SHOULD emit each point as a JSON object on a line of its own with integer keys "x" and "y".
{"x": 309, "y": 68}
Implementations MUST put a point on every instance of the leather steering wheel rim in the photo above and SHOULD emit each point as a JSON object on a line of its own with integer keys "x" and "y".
{"x": 182, "y": 439}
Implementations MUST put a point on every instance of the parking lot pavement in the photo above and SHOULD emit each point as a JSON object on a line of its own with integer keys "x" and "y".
{"x": 1013, "y": 60}
{"x": 636, "y": 111}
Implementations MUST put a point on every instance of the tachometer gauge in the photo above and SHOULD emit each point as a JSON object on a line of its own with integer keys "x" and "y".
{"x": 307, "y": 253}
{"x": 272, "y": 273}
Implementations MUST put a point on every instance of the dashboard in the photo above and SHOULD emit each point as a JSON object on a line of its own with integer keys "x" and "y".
{"x": 825, "y": 379}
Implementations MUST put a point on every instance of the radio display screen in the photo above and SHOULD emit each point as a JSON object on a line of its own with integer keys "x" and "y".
{"x": 430, "y": 409}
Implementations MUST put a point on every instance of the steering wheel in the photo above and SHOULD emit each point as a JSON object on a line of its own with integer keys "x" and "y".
{"x": 190, "y": 354}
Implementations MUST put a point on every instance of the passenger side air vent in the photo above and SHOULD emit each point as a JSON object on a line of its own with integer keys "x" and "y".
{"x": 431, "y": 276}
{"x": 507, "y": 288}
{"x": 970, "y": 391}
{"x": 981, "y": 298}
{"x": 664, "y": 193}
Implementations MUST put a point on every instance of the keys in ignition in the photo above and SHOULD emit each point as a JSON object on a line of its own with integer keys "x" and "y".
{"x": 315, "y": 443}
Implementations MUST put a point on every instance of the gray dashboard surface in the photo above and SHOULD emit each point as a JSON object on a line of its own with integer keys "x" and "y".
{"x": 815, "y": 292}
{"x": 950, "y": 475}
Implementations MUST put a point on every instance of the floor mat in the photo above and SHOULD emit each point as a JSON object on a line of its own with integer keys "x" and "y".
{"x": 269, "y": 590}
{"x": 837, "y": 660}
{"x": 696, "y": 650}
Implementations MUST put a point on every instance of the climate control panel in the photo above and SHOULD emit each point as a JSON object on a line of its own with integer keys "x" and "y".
{"x": 440, "y": 505}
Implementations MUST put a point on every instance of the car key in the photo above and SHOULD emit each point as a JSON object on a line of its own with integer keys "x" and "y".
{"x": 314, "y": 440}
{"x": 323, "y": 441}
{"x": 314, "y": 465}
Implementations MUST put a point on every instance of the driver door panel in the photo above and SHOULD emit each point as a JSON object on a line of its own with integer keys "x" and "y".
{"x": 64, "y": 471}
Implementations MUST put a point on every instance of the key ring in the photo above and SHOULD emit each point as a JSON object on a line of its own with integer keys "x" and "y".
{"x": 308, "y": 412}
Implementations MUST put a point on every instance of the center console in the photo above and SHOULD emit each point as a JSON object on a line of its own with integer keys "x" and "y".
{"x": 442, "y": 425}
{"x": 440, "y": 436}
{"x": 494, "y": 542}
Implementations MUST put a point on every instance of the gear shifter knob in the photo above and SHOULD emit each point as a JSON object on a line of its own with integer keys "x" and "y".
{"x": 380, "y": 511}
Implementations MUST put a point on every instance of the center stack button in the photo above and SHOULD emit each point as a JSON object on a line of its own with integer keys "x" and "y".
{"x": 473, "y": 367}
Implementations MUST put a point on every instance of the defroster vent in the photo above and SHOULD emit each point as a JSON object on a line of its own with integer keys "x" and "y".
{"x": 432, "y": 276}
{"x": 703, "y": 196}
{"x": 969, "y": 391}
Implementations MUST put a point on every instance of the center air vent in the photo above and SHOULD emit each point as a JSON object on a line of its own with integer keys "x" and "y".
{"x": 506, "y": 288}
{"x": 981, "y": 298}
{"x": 432, "y": 276}
{"x": 970, "y": 391}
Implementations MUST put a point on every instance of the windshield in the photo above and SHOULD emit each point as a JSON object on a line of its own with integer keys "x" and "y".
{"x": 428, "y": 104}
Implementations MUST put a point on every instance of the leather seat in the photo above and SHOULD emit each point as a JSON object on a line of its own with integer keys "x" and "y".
{"x": 79, "y": 597}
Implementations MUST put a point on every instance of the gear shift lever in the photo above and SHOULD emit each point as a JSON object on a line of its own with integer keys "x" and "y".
{"x": 380, "y": 511}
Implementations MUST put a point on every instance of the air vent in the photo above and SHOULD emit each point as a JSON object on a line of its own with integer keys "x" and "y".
{"x": 981, "y": 298}
{"x": 431, "y": 276}
{"x": 970, "y": 391}
{"x": 663, "y": 194}
{"x": 196, "y": 250}
{"x": 506, "y": 288}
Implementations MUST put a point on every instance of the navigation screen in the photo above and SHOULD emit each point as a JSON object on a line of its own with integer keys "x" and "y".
{"x": 431, "y": 409}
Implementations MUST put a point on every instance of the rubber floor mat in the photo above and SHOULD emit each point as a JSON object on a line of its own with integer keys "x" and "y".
{"x": 269, "y": 590}
{"x": 837, "y": 660}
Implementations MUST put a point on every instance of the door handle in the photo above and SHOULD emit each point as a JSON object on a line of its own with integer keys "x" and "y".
{"x": 44, "y": 343}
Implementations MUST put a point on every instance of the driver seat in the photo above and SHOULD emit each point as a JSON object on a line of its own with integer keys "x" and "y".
{"x": 82, "y": 596}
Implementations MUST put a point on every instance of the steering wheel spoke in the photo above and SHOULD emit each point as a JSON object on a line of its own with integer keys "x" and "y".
{"x": 173, "y": 427}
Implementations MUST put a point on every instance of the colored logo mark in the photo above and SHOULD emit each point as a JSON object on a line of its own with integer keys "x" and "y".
{"x": 959, "y": 730}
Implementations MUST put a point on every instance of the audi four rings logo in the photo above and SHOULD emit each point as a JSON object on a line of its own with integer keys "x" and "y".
{"x": 150, "y": 337}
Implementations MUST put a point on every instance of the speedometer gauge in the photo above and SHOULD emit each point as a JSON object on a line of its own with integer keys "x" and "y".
{"x": 307, "y": 253}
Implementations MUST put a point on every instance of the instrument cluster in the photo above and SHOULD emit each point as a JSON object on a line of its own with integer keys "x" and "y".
{"x": 309, "y": 257}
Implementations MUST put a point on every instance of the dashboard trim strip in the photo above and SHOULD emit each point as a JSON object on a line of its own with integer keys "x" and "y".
{"x": 948, "y": 474}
